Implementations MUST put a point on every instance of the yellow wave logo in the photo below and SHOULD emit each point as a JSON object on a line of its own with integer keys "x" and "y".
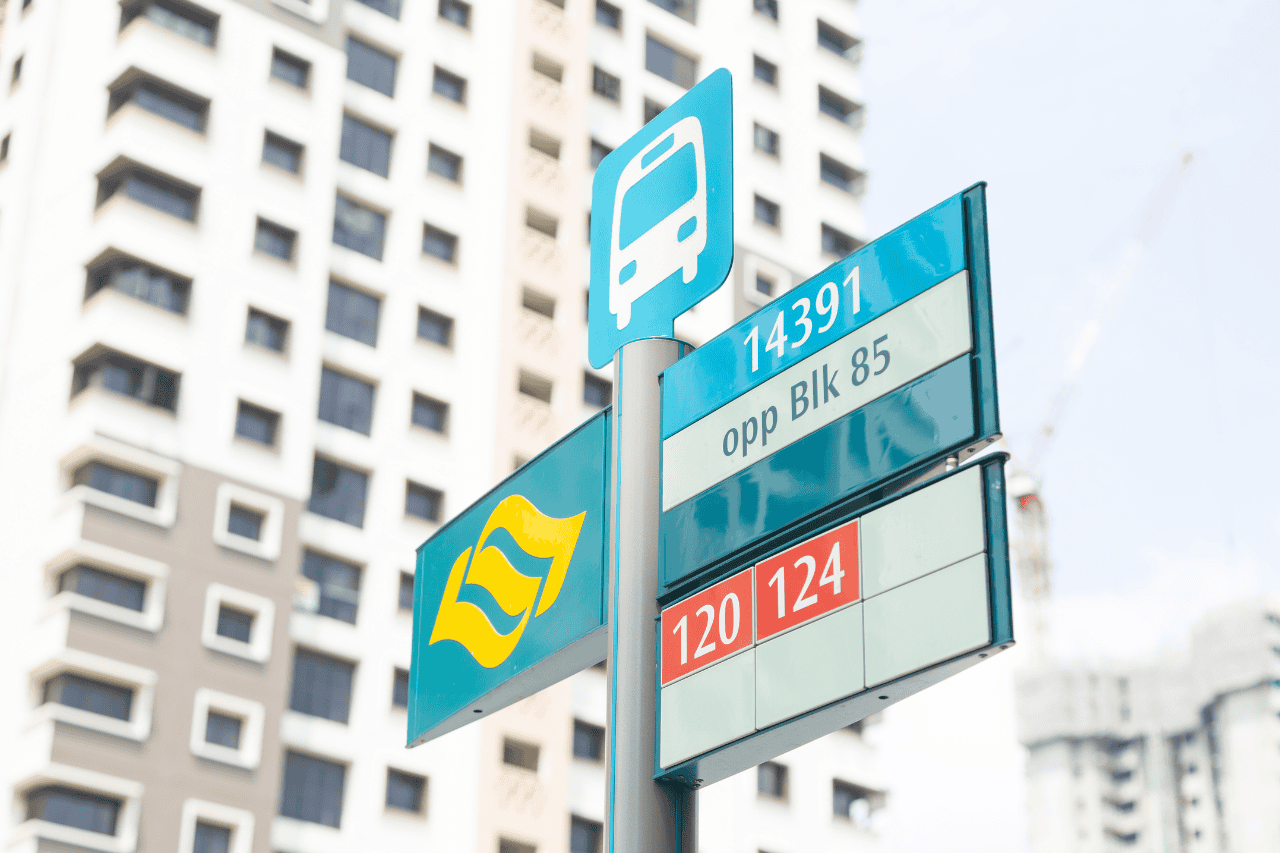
{"x": 516, "y": 593}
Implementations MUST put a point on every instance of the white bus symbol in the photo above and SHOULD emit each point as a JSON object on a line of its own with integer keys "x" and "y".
{"x": 659, "y": 216}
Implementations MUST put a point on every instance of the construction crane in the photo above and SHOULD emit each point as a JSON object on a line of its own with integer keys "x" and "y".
{"x": 1031, "y": 534}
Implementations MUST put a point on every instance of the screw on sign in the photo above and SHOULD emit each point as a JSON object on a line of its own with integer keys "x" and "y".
{"x": 707, "y": 627}
{"x": 807, "y": 581}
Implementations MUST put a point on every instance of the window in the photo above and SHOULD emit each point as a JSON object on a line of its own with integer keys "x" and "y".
{"x": 588, "y": 741}
{"x": 836, "y": 242}
{"x": 430, "y": 413}
{"x": 274, "y": 240}
{"x": 162, "y": 99}
{"x": 346, "y": 401}
{"x": 850, "y": 802}
{"x": 768, "y": 8}
{"x": 444, "y": 163}
{"x": 766, "y": 140}
{"x": 105, "y": 586}
{"x": 841, "y": 44}
{"x": 832, "y": 171}
{"x": 651, "y": 110}
{"x": 532, "y": 385}
{"x": 153, "y": 189}
{"x": 211, "y": 838}
{"x": 390, "y": 8}
{"x": 131, "y": 377}
{"x": 266, "y": 331}
{"x": 321, "y": 685}
{"x": 75, "y": 808}
{"x": 406, "y": 591}
{"x": 608, "y": 15}
{"x": 765, "y": 71}
{"x": 606, "y": 85}
{"x": 400, "y": 688}
{"x": 140, "y": 280}
{"x": 365, "y": 146}
{"x": 439, "y": 243}
{"x": 541, "y": 222}
{"x": 765, "y": 285}
{"x": 538, "y": 303}
{"x": 257, "y": 424}
{"x": 282, "y": 153}
{"x": 223, "y": 730}
{"x": 89, "y": 694}
{"x": 520, "y": 754}
{"x": 227, "y": 728}
{"x": 506, "y": 845}
{"x": 359, "y": 227}
{"x": 17, "y": 72}
{"x": 584, "y": 835}
{"x": 456, "y": 12}
{"x": 312, "y": 789}
{"x": 405, "y": 791}
{"x": 119, "y": 482}
{"x": 246, "y": 522}
{"x": 435, "y": 327}
{"x": 235, "y": 624}
{"x": 771, "y": 780}
{"x": 423, "y": 501}
{"x": 544, "y": 142}
{"x": 684, "y": 9}
{"x": 548, "y": 68}
{"x": 4, "y": 148}
{"x": 338, "y": 582}
{"x": 838, "y": 107}
{"x": 182, "y": 18}
{"x": 338, "y": 492}
{"x": 290, "y": 69}
{"x": 598, "y": 152}
{"x": 670, "y": 63}
{"x": 449, "y": 85}
{"x": 768, "y": 212}
{"x": 352, "y": 313}
{"x": 369, "y": 66}
{"x": 596, "y": 391}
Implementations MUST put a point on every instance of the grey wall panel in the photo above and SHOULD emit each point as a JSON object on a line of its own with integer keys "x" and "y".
{"x": 708, "y": 709}
{"x": 810, "y": 666}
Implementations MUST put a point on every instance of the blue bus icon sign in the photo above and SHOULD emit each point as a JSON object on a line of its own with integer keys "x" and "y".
{"x": 662, "y": 220}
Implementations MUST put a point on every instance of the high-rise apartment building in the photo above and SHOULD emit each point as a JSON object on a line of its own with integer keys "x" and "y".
{"x": 1182, "y": 756}
{"x": 284, "y": 284}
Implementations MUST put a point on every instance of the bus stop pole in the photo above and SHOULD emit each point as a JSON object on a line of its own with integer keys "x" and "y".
{"x": 641, "y": 815}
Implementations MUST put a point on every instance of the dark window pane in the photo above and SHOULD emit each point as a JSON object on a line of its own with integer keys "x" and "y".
{"x": 768, "y": 212}
{"x": 598, "y": 152}
{"x": 211, "y": 838}
{"x": 548, "y": 68}
{"x": 541, "y": 222}
{"x": 365, "y": 146}
{"x": 118, "y": 482}
{"x": 266, "y": 331}
{"x": 89, "y": 694}
{"x": 449, "y": 85}
{"x": 353, "y": 313}
{"x": 672, "y": 64}
{"x": 312, "y": 789}
{"x": 771, "y": 780}
{"x": 534, "y": 386}
{"x": 274, "y": 240}
{"x": 290, "y": 69}
{"x": 456, "y": 12}
{"x": 245, "y": 522}
{"x": 439, "y": 243}
{"x": 423, "y": 501}
{"x": 223, "y": 730}
{"x": 235, "y": 624}
{"x": 141, "y": 281}
{"x": 544, "y": 142}
{"x": 838, "y": 175}
{"x": 584, "y": 835}
{"x": 520, "y": 754}
{"x": 182, "y": 18}
{"x": 839, "y": 43}
{"x": 71, "y": 807}
{"x": 406, "y": 591}
{"x": 596, "y": 391}
{"x": 764, "y": 285}
{"x": 608, "y": 15}
{"x": 369, "y": 66}
{"x": 104, "y": 586}
{"x": 435, "y": 327}
{"x": 766, "y": 71}
{"x": 684, "y": 9}
{"x": 256, "y": 423}
{"x": 651, "y": 110}
{"x": 282, "y": 153}
{"x": 386, "y": 7}
{"x": 768, "y": 8}
{"x": 838, "y": 107}
{"x": 162, "y": 99}
{"x": 346, "y": 401}
{"x": 338, "y": 492}
{"x": 152, "y": 189}
{"x": 430, "y": 414}
{"x": 129, "y": 376}
{"x": 339, "y": 584}
{"x": 588, "y": 741}
{"x": 400, "y": 689}
{"x": 766, "y": 140}
{"x": 444, "y": 163}
{"x": 836, "y": 242}
{"x": 606, "y": 85}
{"x": 359, "y": 228}
{"x": 321, "y": 685}
{"x": 506, "y": 845}
{"x": 404, "y": 790}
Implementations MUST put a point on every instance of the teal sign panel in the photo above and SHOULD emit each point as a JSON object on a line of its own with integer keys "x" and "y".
{"x": 662, "y": 220}
{"x": 509, "y": 596}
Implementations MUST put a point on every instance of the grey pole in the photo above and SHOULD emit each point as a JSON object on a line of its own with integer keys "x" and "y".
{"x": 641, "y": 816}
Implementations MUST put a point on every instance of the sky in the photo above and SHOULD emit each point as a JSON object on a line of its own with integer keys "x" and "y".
{"x": 1157, "y": 480}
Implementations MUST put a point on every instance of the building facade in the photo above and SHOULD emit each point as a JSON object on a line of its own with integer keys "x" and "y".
{"x": 284, "y": 284}
{"x": 1177, "y": 757}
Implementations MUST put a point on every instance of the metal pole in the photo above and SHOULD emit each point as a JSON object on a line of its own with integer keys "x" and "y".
{"x": 641, "y": 816}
